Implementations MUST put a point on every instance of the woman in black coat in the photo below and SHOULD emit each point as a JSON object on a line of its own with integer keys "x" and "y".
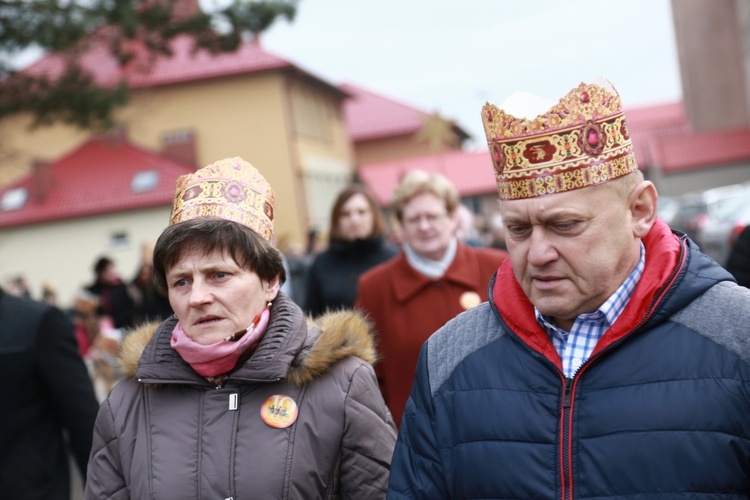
{"x": 356, "y": 244}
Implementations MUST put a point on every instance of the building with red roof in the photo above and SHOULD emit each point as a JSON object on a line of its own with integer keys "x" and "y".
{"x": 190, "y": 109}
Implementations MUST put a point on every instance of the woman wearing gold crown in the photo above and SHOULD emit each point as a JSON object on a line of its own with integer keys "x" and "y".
{"x": 236, "y": 395}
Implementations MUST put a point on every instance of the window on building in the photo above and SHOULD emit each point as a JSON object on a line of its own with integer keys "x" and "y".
{"x": 13, "y": 199}
{"x": 119, "y": 239}
{"x": 145, "y": 180}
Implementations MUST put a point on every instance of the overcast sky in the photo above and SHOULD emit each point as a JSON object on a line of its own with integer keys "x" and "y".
{"x": 451, "y": 56}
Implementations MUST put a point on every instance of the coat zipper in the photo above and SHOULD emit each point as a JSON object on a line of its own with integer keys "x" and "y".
{"x": 566, "y": 422}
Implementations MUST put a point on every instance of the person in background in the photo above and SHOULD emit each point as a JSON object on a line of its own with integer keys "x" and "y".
{"x": 114, "y": 296}
{"x": 150, "y": 303}
{"x": 236, "y": 395}
{"x": 296, "y": 266}
{"x": 739, "y": 259}
{"x": 356, "y": 244}
{"x": 435, "y": 278}
{"x": 49, "y": 295}
{"x": 48, "y": 404}
{"x": 466, "y": 231}
{"x": 18, "y": 287}
{"x": 612, "y": 359}
{"x": 98, "y": 343}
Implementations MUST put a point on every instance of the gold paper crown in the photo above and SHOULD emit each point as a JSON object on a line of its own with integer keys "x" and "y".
{"x": 229, "y": 189}
{"x": 581, "y": 141}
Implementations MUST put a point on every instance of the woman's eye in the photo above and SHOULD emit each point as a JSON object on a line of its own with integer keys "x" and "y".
{"x": 180, "y": 283}
{"x": 221, "y": 274}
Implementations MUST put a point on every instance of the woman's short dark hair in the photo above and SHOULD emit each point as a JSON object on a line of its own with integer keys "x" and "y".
{"x": 378, "y": 222}
{"x": 248, "y": 249}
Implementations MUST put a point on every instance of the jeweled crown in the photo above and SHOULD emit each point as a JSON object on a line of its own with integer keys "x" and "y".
{"x": 581, "y": 141}
{"x": 230, "y": 189}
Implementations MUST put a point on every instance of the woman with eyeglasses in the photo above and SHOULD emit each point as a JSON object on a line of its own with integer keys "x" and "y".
{"x": 435, "y": 278}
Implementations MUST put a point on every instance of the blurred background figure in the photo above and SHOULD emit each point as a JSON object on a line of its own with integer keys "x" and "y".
{"x": 434, "y": 278}
{"x": 114, "y": 297}
{"x": 739, "y": 259}
{"x": 356, "y": 244}
{"x": 466, "y": 230}
{"x": 297, "y": 265}
{"x": 49, "y": 294}
{"x": 150, "y": 304}
{"x": 48, "y": 402}
{"x": 17, "y": 286}
{"x": 98, "y": 343}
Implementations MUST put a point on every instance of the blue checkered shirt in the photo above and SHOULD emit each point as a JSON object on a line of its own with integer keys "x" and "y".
{"x": 576, "y": 346}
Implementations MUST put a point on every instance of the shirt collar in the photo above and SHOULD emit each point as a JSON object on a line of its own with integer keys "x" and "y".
{"x": 612, "y": 307}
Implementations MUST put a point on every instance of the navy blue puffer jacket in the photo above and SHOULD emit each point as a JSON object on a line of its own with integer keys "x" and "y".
{"x": 660, "y": 410}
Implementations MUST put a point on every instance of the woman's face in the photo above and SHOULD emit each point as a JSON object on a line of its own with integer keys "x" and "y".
{"x": 427, "y": 226}
{"x": 214, "y": 297}
{"x": 356, "y": 220}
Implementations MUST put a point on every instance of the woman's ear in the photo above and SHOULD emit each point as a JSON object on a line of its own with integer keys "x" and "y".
{"x": 643, "y": 208}
{"x": 272, "y": 288}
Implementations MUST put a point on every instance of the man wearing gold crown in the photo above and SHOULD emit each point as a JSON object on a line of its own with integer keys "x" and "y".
{"x": 612, "y": 357}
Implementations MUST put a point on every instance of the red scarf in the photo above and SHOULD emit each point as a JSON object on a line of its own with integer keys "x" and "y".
{"x": 220, "y": 357}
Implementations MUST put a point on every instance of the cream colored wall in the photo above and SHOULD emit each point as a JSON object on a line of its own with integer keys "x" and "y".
{"x": 251, "y": 116}
{"x": 325, "y": 156}
{"x": 20, "y": 145}
{"x": 240, "y": 116}
{"x": 64, "y": 252}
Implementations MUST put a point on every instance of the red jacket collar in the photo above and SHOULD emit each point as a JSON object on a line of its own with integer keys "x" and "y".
{"x": 664, "y": 258}
{"x": 411, "y": 281}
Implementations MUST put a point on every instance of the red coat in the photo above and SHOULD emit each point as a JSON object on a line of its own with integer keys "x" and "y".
{"x": 407, "y": 307}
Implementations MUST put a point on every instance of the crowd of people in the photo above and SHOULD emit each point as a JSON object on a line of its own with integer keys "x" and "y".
{"x": 589, "y": 351}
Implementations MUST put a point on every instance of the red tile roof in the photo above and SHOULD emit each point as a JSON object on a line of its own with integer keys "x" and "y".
{"x": 96, "y": 179}
{"x": 372, "y": 116}
{"x": 662, "y": 137}
{"x": 471, "y": 172}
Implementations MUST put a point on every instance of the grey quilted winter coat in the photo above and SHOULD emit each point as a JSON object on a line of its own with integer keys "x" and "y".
{"x": 167, "y": 433}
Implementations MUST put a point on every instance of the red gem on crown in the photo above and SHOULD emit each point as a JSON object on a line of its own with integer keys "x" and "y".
{"x": 585, "y": 97}
{"x": 593, "y": 138}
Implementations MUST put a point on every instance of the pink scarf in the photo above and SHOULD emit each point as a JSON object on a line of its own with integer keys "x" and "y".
{"x": 220, "y": 357}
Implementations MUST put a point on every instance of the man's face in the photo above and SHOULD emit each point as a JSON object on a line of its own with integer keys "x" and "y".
{"x": 427, "y": 226}
{"x": 570, "y": 251}
{"x": 214, "y": 297}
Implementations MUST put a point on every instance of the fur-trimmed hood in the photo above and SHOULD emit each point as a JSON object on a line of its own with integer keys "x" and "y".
{"x": 293, "y": 347}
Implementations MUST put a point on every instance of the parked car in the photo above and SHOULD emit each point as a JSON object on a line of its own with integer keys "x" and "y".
{"x": 720, "y": 233}
{"x": 668, "y": 206}
{"x": 698, "y": 210}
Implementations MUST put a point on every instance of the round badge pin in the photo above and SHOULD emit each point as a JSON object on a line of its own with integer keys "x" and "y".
{"x": 469, "y": 300}
{"x": 279, "y": 411}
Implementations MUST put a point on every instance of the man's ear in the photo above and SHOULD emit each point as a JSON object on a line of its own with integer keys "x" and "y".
{"x": 643, "y": 208}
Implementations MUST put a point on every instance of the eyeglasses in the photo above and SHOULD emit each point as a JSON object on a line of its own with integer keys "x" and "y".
{"x": 431, "y": 219}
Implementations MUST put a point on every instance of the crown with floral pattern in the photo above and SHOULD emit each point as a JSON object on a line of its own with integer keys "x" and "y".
{"x": 581, "y": 141}
{"x": 230, "y": 189}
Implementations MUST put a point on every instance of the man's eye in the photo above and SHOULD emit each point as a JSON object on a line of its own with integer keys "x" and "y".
{"x": 564, "y": 226}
